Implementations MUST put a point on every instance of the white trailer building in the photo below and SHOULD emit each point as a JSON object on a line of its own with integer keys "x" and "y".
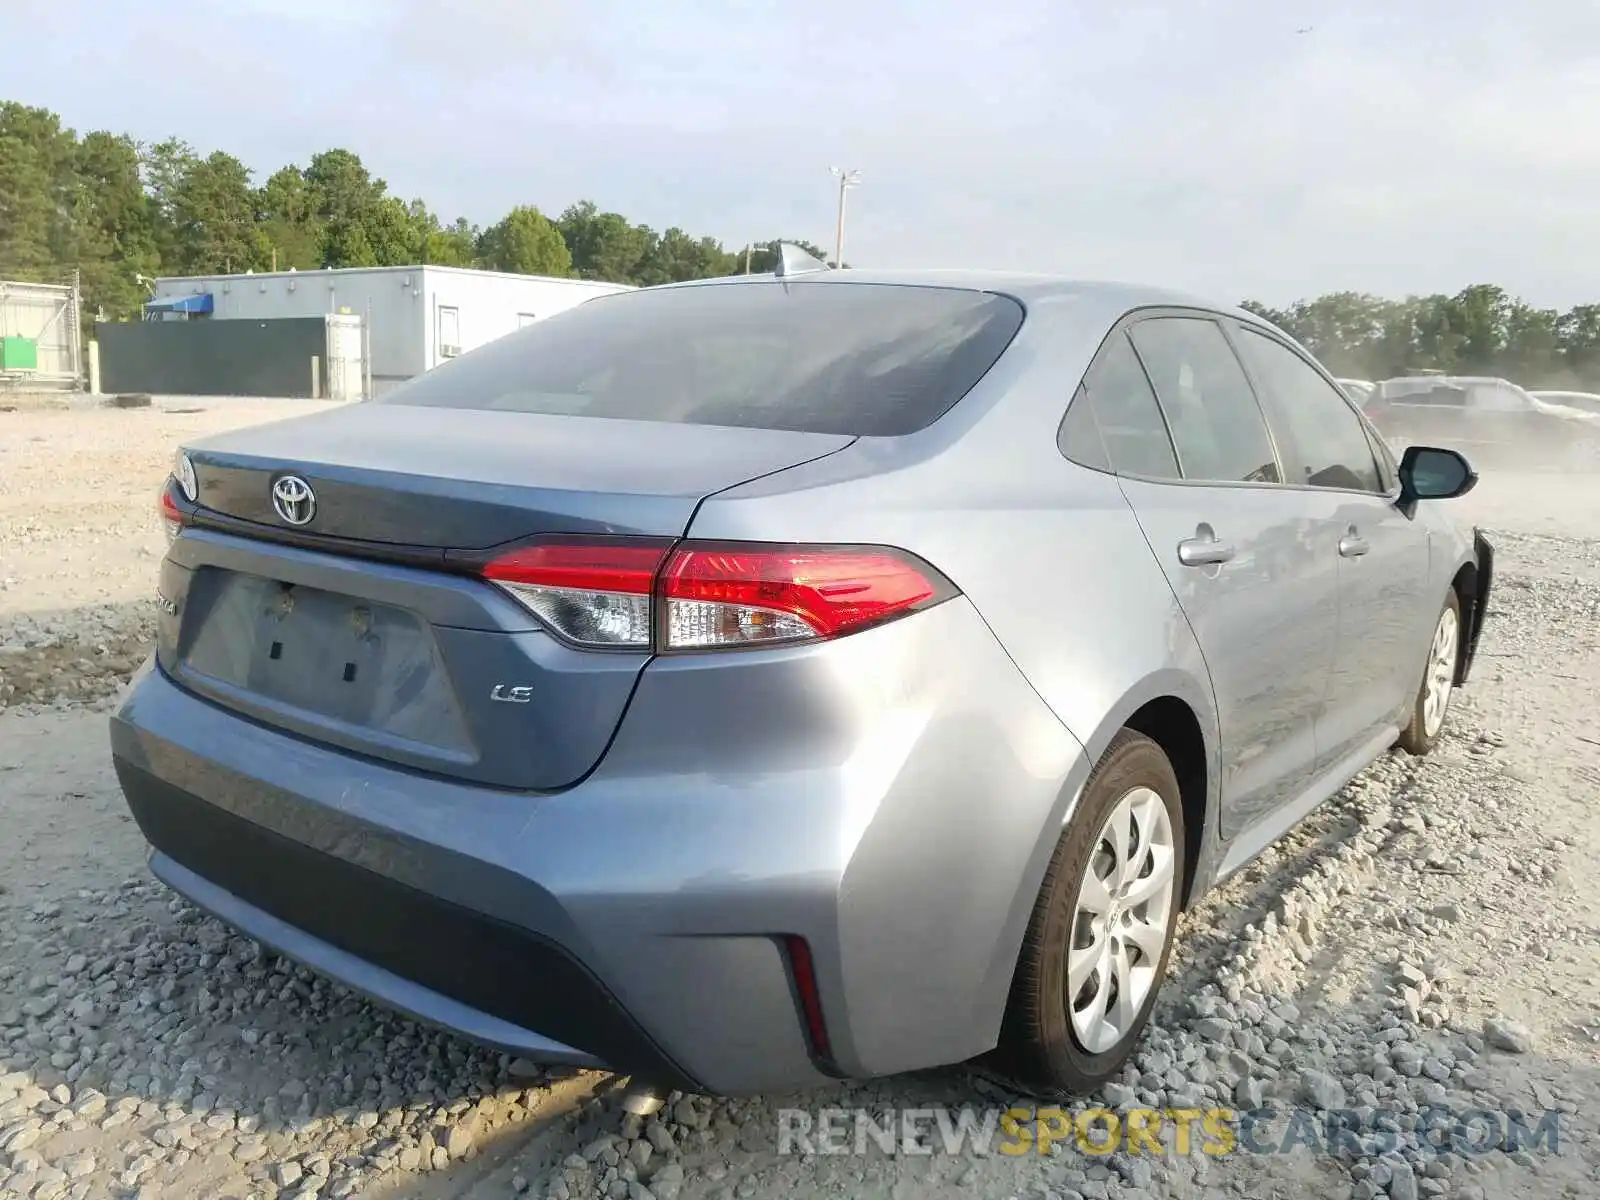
{"x": 416, "y": 317}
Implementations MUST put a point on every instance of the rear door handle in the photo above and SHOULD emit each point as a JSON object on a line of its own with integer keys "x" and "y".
{"x": 1200, "y": 552}
{"x": 1353, "y": 545}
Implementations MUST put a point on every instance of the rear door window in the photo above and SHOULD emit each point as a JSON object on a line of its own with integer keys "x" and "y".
{"x": 809, "y": 356}
{"x": 1324, "y": 442}
{"x": 1216, "y": 423}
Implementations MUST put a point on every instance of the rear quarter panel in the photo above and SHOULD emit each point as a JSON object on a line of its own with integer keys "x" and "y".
{"x": 1049, "y": 553}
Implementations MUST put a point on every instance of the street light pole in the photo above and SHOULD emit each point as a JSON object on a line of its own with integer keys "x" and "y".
{"x": 848, "y": 178}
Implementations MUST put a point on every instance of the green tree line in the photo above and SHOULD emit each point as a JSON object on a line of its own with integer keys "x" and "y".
{"x": 115, "y": 209}
{"x": 1481, "y": 330}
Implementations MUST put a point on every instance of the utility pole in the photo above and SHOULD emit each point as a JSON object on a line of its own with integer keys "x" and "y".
{"x": 747, "y": 248}
{"x": 848, "y": 178}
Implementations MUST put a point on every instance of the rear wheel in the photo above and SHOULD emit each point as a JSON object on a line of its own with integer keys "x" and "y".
{"x": 1432, "y": 704}
{"x": 1097, "y": 946}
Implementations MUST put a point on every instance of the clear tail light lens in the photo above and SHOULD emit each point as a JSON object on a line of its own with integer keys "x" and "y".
{"x": 591, "y": 593}
{"x": 652, "y": 595}
{"x": 188, "y": 482}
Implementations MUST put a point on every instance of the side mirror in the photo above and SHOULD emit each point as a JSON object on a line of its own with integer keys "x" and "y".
{"x": 1432, "y": 473}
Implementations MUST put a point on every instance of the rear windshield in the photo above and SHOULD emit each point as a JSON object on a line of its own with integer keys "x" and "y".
{"x": 859, "y": 359}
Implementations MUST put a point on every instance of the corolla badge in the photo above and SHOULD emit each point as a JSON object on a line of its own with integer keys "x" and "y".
{"x": 294, "y": 500}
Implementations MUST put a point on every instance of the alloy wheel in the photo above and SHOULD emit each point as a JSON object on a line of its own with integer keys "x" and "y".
{"x": 1119, "y": 930}
{"x": 1441, "y": 677}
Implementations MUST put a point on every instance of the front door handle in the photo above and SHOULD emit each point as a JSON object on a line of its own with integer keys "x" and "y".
{"x": 1204, "y": 551}
{"x": 1353, "y": 545}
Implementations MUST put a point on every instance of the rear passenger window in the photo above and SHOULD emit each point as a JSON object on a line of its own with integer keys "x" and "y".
{"x": 1216, "y": 423}
{"x": 1079, "y": 435}
{"x": 1117, "y": 398}
{"x": 1328, "y": 444}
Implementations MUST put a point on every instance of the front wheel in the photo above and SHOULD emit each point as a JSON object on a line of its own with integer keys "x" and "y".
{"x": 1432, "y": 704}
{"x": 1097, "y": 946}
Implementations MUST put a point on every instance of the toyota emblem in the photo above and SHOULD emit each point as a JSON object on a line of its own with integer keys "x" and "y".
{"x": 294, "y": 500}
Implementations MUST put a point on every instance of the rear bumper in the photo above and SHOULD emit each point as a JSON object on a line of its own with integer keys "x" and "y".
{"x": 891, "y": 798}
{"x": 497, "y": 982}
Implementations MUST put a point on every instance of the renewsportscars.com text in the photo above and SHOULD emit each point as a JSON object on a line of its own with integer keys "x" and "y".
{"x": 1214, "y": 1131}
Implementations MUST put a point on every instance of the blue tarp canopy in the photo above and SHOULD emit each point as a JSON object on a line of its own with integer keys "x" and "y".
{"x": 184, "y": 304}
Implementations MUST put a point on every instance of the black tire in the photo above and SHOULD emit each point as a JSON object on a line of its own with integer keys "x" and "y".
{"x": 1039, "y": 1049}
{"x": 1414, "y": 738}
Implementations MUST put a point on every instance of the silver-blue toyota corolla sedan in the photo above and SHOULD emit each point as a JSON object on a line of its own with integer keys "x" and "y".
{"x": 751, "y": 682}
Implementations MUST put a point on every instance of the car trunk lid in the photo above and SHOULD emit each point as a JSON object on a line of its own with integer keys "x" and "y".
{"x": 351, "y": 631}
{"x": 468, "y": 480}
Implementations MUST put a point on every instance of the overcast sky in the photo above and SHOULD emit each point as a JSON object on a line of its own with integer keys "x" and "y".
{"x": 1396, "y": 146}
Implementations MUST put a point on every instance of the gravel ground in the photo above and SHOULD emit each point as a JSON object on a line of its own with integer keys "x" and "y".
{"x": 1430, "y": 937}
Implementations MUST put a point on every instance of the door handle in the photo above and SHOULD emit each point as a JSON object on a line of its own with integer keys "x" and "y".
{"x": 1353, "y": 545}
{"x": 1204, "y": 551}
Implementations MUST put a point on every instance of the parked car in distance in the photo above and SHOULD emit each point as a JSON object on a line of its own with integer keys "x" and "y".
{"x": 1359, "y": 390}
{"x": 1495, "y": 422}
{"x": 749, "y": 683}
{"x": 1588, "y": 402}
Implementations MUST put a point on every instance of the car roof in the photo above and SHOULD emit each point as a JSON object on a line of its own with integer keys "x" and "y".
{"x": 1022, "y": 285}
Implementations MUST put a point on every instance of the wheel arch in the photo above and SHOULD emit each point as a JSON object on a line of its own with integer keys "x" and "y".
{"x": 1173, "y": 725}
{"x": 1471, "y": 583}
{"x": 1175, "y": 710}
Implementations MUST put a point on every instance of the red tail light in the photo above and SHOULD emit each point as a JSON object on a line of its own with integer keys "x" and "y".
{"x": 171, "y": 515}
{"x": 645, "y": 594}
{"x": 805, "y": 983}
{"x": 733, "y": 595}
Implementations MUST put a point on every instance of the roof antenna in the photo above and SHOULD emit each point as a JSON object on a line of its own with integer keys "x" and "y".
{"x": 794, "y": 261}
